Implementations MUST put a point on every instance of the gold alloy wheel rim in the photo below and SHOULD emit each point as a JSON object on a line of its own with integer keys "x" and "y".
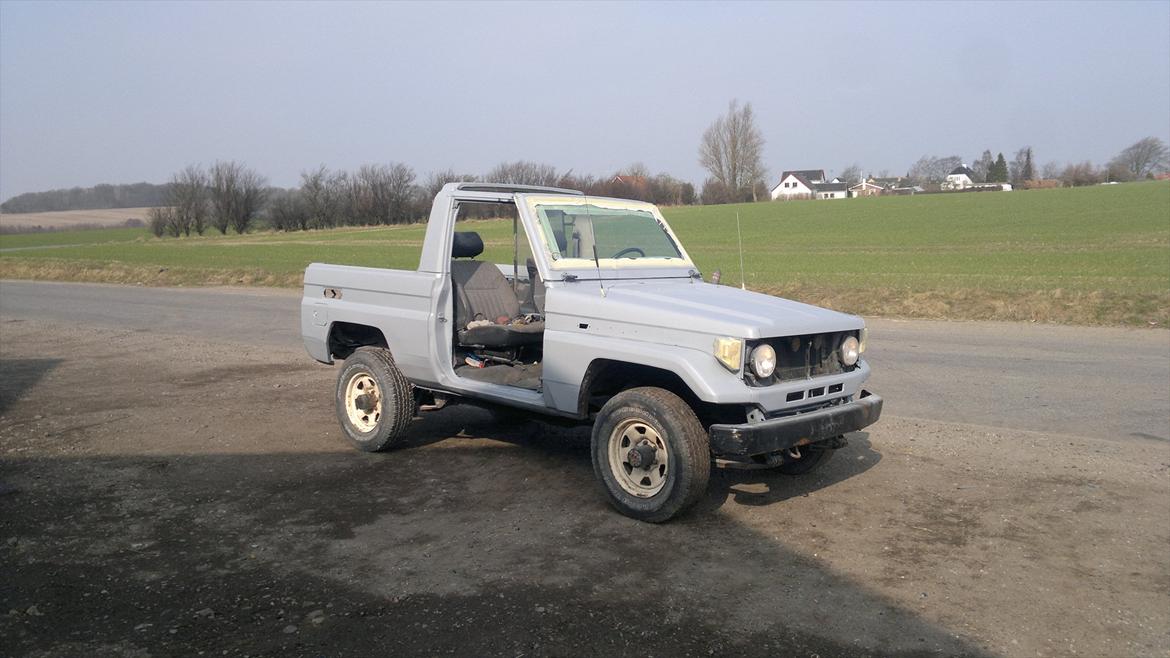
{"x": 642, "y": 480}
{"x": 363, "y": 402}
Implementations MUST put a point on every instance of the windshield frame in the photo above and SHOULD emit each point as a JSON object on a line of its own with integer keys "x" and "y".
{"x": 556, "y": 262}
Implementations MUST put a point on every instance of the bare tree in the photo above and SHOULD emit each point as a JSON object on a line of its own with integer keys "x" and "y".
{"x": 1050, "y": 170}
{"x": 383, "y": 194}
{"x": 159, "y": 219}
{"x": 714, "y": 192}
{"x": 437, "y": 179}
{"x": 667, "y": 190}
{"x": 237, "y": 194}
{"x": 636, "y": 170}
{"x": 851, "y": 174}
{"x": 523, "y": 172}
{"x": 1083, "y": 173}
{"x": 289, "y": 212}
{"x": 982, "y": 166}
{"x": 731, "y": 150}
{"x": 1020, "y": 169}
{"x": 323, "y": 195}
{"x": 188, "y": 197}
{"x": 1141, "y": 159}
{"x": 931, "y": 169}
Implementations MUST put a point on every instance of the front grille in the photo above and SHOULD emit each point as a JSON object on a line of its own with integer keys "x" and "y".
{"x": 801, "y": 357}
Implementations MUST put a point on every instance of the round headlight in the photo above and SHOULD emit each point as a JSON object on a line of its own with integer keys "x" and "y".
{"x": 850, "y": 350}
{"x": 763, "y": 360}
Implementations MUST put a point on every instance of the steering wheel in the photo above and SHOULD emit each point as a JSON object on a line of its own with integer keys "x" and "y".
{"x": 630, "y": 250}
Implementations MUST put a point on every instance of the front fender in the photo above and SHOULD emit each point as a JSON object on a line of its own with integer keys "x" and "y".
{"x": 567, "y": 356}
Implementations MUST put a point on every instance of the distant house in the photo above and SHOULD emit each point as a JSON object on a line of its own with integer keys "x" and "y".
{"x": 865, "y": 188}
{"x": 886, "y": 182}
{"x": 831, "y": 190}
{"x": 798, "y": 184}
{"x": 960, "y": 178}
{"x": 632, "y": 181}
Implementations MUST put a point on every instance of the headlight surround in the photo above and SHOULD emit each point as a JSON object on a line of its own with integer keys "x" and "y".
{"x": 864, "y": 338}
{"x": 729, "y": 352}
{"x": 850, "y": 350}
{"x": 763, "y": 361}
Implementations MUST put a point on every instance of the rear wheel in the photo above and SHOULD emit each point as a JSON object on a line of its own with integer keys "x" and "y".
{"x": 375, "y": 402}
{"x": 650, "y": 454}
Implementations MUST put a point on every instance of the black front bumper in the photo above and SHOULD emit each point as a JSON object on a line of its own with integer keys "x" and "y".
{"x": 750, "y": 439}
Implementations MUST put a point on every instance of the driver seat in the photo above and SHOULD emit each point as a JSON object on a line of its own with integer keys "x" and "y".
{"x": 481, "y": 292}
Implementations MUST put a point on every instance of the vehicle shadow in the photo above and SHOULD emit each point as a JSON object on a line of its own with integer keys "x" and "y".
{"x": 457, "y": 548}
{"x": 19, "y": 375}
{"x": 473, "y": 537}
{"x": 754, "y": 488}
{"x": 767, "y": 486}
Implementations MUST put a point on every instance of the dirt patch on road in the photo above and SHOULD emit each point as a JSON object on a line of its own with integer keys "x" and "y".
{"x": 166, "y": 495}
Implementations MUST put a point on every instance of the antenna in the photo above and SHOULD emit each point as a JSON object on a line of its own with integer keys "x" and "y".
{"x": 738, "y": 230}
{"x": 597, "y": 262}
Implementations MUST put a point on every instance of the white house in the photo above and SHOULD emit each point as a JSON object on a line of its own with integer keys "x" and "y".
{"x": 798, "y": 184}
{"x": 831, "y": 190}
{"x": 960, "y": 178}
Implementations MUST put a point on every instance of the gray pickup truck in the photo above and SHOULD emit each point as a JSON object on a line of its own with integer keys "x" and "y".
{"x": 599, "y": 316}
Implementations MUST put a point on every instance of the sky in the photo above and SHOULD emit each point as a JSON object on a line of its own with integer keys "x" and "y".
{"x": 94, "y": 92}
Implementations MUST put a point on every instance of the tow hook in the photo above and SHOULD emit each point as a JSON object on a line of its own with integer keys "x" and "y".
{"x": 794, "y": 452}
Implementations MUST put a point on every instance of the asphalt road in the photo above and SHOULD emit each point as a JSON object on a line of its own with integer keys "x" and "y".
{"x": 173, "y": 481}
{"x": 1097, "y": 382}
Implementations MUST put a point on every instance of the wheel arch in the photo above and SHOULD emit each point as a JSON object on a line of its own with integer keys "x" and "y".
{"x": 346, "y": 337}
{"x": 605, "y": 378}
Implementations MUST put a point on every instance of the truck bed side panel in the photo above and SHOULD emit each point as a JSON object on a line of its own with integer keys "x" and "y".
{"x": 396, "y": 302}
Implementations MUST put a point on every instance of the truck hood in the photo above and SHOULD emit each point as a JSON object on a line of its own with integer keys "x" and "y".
{"x": 698, "y": 307}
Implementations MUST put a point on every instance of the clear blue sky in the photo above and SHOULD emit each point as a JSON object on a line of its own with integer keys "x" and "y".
{"x": 105, "y": 92}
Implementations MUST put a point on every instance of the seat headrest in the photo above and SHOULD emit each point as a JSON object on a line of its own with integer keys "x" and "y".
{"x": 466, "y": 244}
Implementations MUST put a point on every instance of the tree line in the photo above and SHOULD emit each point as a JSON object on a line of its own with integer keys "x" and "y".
{"x": 230, "y": 196}
{"x": 98, "y": 197}
{"x": 1142, "y": 159}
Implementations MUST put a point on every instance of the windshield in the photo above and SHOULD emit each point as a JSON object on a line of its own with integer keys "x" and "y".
{"x": 618, "y": 231}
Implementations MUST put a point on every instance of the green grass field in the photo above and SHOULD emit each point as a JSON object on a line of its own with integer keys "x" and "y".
{"x": 1098, "y": 255}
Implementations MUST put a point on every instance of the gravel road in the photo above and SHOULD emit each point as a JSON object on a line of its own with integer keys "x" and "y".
{"x": 172, "y": 481}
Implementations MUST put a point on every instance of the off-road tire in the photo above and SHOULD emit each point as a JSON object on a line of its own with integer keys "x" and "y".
{"x": 811, "y": 459}
{"x": 398, "y": 402}
{"x": 687, "y": 446}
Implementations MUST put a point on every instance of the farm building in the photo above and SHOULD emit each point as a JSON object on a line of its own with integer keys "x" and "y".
{"x": 887, "y": 182}
{"x": 906, "y": 190}
{"x": 960, "y": 178}
{"x": 865, "y": 188}
{"x": 798, "y": 184}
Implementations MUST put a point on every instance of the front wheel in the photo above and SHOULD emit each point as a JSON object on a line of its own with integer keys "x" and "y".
{"x": 650, "y": 454}
{"x": 375, "y": 402}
